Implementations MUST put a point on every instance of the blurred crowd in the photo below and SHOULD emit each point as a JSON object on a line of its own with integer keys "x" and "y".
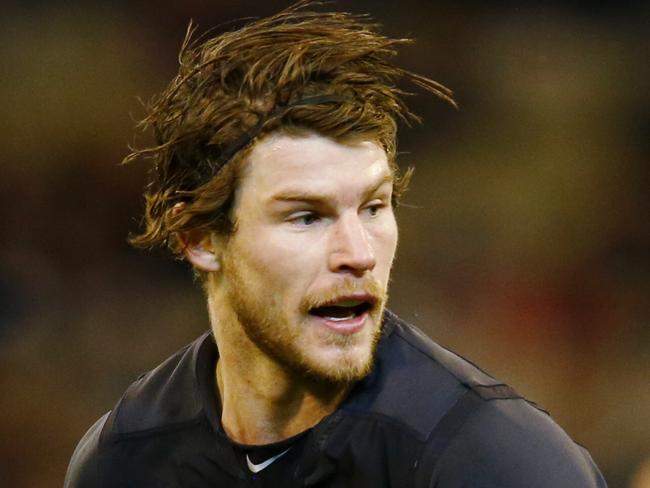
{"x": 525, "y": 242}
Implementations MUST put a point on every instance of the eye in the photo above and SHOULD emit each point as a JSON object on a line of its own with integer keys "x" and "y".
{"x": 304, "y": 218}
{"x": 374, "y": 208}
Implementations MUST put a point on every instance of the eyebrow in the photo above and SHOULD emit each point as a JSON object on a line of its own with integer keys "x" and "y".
{"x": 298, "y": 196}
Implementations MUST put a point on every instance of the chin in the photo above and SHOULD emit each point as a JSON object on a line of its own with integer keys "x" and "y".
{"x": 339, "y": 375}
{"x": 342, "y": 365}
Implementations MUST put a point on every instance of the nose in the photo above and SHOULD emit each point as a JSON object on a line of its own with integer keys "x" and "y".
{"x": 352, "y": 250}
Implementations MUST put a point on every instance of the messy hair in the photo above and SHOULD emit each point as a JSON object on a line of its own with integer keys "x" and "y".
{"x": 326, "y": 72}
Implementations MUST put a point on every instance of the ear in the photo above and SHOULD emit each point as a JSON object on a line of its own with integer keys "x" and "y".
{"x": 200, "y": 248}
{"x": 202, "y": 251}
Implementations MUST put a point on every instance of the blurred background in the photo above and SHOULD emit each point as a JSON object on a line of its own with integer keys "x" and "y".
{"x": 525, "y": 244}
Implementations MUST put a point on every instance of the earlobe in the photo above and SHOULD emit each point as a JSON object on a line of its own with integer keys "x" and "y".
{"x": 202, "y": 253}
{"x": 202, "y": 258}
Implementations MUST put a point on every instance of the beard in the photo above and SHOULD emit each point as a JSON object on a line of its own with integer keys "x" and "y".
{"x": 280, "y": 333}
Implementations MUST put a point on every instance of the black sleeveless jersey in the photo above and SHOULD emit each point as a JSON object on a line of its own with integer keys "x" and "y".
{"x": 424, "y": 417}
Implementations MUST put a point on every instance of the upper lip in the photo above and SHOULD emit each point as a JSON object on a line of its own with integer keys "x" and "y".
{"x": 352, "y": 300}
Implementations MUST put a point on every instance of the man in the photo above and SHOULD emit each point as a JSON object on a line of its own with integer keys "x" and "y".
{"x": 275, "y": 177}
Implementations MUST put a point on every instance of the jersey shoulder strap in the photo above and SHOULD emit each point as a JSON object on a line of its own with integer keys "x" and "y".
{"x": 447, "y": 428}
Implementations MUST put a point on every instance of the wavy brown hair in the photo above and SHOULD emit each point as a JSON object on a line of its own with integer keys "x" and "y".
{"x": 328, "y": 72}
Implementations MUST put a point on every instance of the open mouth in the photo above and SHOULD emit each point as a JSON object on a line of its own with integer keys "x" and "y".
{"x": 343, "y": 310}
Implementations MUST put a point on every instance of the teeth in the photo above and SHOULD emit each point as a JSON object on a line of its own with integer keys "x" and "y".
{"x": 340, "y": 319}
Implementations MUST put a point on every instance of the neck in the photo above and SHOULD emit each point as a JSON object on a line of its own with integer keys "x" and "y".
{"x": 262, "y": 401}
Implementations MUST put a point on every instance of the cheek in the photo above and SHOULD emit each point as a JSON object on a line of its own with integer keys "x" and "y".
{"x": 282, "y": 260}
{"x": 385, "y": 238}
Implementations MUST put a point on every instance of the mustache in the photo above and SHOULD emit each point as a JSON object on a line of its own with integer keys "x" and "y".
{"x": 347, "y": 287}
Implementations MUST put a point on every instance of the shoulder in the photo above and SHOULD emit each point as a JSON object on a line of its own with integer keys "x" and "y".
{"x": 471, "y": 425}
{"x": 508, "y": 443}
{"x": 83, "y": 467}
{"x": 167, "y": 397}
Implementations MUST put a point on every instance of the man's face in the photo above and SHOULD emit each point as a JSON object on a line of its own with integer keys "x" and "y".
{"x": 307, "y": 269}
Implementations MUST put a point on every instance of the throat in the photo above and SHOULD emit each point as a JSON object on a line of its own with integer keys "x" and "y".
{"x": 255, "y": 408}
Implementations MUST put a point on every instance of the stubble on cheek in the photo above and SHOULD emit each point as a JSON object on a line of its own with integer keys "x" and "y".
{"x": 287, "y": 334}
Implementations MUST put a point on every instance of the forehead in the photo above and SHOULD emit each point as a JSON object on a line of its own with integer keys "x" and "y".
{"x": 281, "y": 161}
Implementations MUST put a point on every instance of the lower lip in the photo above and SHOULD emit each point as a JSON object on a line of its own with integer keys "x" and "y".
{"x": 350, "y": 326}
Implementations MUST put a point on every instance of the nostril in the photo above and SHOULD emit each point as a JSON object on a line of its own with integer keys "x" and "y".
{"x": 356, "y": 262}
{"x": 350, "y": 269}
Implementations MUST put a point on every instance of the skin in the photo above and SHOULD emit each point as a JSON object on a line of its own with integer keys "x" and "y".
{"x": 314, "y": 225}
